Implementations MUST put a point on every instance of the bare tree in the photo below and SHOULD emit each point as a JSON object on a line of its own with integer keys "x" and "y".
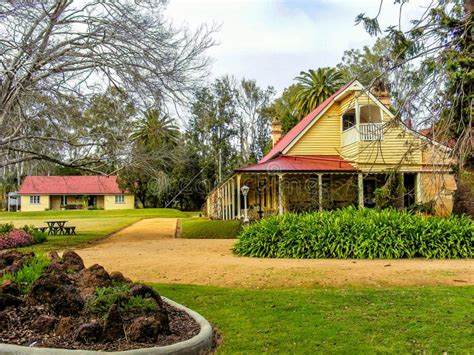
{"x": 56, "y": 54}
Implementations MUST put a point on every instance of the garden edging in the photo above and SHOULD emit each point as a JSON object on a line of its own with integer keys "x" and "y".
{"x": 195, "y": 345}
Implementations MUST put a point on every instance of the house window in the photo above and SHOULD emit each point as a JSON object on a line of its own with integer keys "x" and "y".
{"x": 34, "y": 200}
{"x": 63, "y": 200}
{"x": 348, "y": 120}
{"x": 119, "y": 198}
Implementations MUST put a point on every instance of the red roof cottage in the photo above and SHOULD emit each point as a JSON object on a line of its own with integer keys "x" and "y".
{"x": 39, "y": 193}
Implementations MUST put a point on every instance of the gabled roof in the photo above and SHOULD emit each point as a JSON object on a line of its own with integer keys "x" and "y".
{"x": 300, "y": 127}
{"x": 70, "y": 185}
{"x": 301, "y": 163}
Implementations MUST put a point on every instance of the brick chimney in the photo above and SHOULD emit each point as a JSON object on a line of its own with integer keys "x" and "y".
{"x": 381, "y": 91}
{"x": 276, "y": 131}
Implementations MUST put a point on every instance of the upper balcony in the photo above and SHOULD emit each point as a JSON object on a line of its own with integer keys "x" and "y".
{"x": 362, "y": 123}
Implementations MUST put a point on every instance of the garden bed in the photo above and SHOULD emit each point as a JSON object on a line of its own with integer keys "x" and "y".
{"x": 58, "y": 303}
{"x": 11, "y": 237}
{"x": 358, "y": 234}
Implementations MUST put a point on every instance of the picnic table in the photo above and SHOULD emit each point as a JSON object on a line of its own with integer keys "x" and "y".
{"x": 57, "y": 227}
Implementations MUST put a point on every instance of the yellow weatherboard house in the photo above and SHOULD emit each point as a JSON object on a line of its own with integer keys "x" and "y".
{"x": 351, "y": 150}
{"x": 40, "y": 193}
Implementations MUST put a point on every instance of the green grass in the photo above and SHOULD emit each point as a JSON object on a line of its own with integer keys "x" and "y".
{"x": 351, "y": 321}
{"x": 140, "y": 213}
{"x": 91, "y": 225}
{"x": 203, "y": 228}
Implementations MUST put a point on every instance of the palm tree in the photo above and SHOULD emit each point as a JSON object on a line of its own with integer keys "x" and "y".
{"x": 155, "y": 130}
{"x": 315, "y": 86}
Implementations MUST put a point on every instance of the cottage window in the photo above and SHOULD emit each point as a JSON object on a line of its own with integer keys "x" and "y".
{"x": 348, "y": 120}
{"x": 34, "y": 200}
{"x": 119, "y": 199}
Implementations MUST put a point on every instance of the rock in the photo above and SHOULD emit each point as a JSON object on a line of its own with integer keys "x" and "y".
{"x": 88, "y": 333}
{"x": 144, "y": 330}
{"x": 54, "y": 256}
{"x": 146, "y": 292}
{"x": 89, "y": 279}
{"x": 54, "y": 267}
{"x": 44, "y": 324}
{"x": 43, "y": 289}
{"x": 65, "y": 327}
{"x": 72, "y": 261}
{"x": 8, "y": 257}
{"x": 113, "y": 326}
{"x": 7, "y": 300}
{"x": 12, "y": 261}
{"x": 10, "y": 287}
{"x": 67, "y": 300}
{"x": 117, "y": 276}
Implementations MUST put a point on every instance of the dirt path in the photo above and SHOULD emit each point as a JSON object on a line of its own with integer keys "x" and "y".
{"x": 148, "y": 251}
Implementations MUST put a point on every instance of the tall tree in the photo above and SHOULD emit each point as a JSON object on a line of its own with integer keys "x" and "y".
{"x": 156, "y": 129}
{"x": 315, "y": 87}
{"x": 284, "y": 108}
{"x": 53, "y": 50}
{"x": 253, "y": 103}
{"x": 440, "y": 47}
{"x": 367, "y": 65}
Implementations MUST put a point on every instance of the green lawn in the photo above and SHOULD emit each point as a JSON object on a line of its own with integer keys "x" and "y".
{"x": 352, "y": 321}
{"x": 203, "y": 228}
{"x": 140, "y": 213}
{"x": 91, "y": 225}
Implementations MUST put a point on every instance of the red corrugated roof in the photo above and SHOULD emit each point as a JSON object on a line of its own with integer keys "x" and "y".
{"x": 296, "y": 130}
{"x": 70, "y": 185}
{"x": 301, "y": 163}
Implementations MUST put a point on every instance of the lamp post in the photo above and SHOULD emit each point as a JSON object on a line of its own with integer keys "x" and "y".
{"x": 245, "y": 192}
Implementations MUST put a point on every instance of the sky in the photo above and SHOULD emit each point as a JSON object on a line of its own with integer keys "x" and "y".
{"x": 271, "y": 41}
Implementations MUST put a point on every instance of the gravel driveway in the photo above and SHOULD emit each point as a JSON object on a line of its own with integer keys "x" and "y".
{"x": 148, "y": 251}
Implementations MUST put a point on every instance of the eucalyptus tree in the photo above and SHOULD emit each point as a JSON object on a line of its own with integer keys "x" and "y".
{"x": 440, "y": 46}
{"x": 55, "y": 52}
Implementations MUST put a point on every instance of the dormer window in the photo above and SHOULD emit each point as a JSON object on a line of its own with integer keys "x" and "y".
{"x": 348, "y": 120}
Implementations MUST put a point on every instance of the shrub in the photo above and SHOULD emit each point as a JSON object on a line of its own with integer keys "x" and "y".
{"x": 15, "y": 238}
{"x": 37, "y": 235}
{"x": 358, "y": 233}
{"x": 6, "y": 227}
{"x": 105, "y": 297}
{"x": 29, "y": 273}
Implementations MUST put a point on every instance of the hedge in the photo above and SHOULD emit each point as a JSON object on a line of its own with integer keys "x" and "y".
{"x": 359, "y": 234}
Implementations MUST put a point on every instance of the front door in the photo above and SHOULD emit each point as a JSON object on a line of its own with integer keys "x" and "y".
{"x": 92, "y": 202}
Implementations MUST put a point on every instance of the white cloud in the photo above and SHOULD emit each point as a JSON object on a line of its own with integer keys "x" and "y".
{"x": 272, "y": 41}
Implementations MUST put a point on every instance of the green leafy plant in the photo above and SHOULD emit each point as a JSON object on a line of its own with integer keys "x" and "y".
{"x": 37, "y": 235}
{"x": 29, "y": 273}
{"x": 105, "y": 297}
{"x": 6, "y": 227}
{"x": 360, "y": 234}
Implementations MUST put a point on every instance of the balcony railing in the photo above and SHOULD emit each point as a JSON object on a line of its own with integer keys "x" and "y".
{"x": 363, "y": 132}
{"x": 371, "y": 131}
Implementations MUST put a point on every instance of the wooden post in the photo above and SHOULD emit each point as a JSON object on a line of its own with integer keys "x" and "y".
{"x": 418, "y": 191}
{"x": 268, "y": 197}
{"x": 280, "y": 194}
{"x": 227, "y": 200}
{"x": 320, "y": 191}
{"x": 239, "y": 209}
{"x": 224, "y": 203}
{"x": 221, "y": 203}
{"x": 360, "y": 184}
{"x": 232, "y": 211}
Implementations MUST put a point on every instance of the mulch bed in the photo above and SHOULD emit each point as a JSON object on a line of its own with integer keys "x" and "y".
{"x": 56, "y": 312}
{"x": 22, "y": 332}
